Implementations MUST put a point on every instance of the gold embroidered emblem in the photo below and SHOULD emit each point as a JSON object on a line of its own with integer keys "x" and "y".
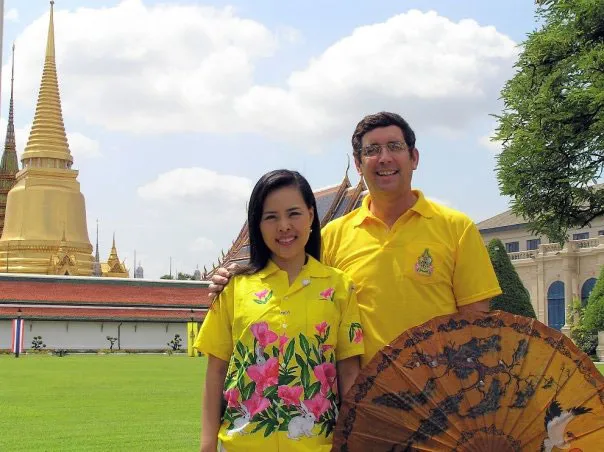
{"x": 424, "y": 264}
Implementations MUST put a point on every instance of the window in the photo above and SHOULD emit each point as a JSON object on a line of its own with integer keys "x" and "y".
{"x": 600, "y": 232}
{"x": 581, "y": 236}
{"x": 512, "y": 247}
{"x": 533, "y": 244}
{"x": 586, "y": 290}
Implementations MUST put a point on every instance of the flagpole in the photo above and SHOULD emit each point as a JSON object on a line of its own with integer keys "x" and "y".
{"x": 19, "y": 334}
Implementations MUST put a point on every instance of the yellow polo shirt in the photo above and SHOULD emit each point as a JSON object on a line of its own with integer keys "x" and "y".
{"x": 282, "y": 343}
{"x": 429, "y": 263}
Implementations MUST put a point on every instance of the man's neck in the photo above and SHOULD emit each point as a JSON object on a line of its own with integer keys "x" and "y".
{"x": 390, "y": 209}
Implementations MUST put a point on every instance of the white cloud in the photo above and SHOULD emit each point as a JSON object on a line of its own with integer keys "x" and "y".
{"x": 12, "y": 15}
{"x": 197, "y": 184}
{"x": 80, "y": 145}
{"x": 487, "y": 142}
{"x": 204, "y": 245}
{"x": 199, "y": 73}
{"x": 437, "y": 72}
{"x": 138, "y": 79}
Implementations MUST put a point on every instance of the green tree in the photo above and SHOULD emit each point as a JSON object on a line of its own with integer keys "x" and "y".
{"x": 515, "y": 298}
{"x": 552, "y": 124}
{"x": 593, "y": 317}
{"x": 166, "y": 277}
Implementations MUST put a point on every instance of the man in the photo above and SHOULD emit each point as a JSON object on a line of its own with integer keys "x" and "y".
{"x": 411, "y": 259}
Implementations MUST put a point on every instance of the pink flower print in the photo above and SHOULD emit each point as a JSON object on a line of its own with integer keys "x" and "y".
{"x": 264, "y": 375}
{"x": 321, "y": 327}
{"x": 327, "y": 294}
{"x": 317, "y": 405}
{"x": 290, "y": 395}
{"x": 263, "y": 296}
{"x": 256, "y": 404}
{"x": 232, "y": 397}
{"x": 326, "y": 374}
{"x": 326, "y": 348}
{"x": 282, "y": 341}
{"x": 263, "y": 334}
{"x": 358, "y": 336}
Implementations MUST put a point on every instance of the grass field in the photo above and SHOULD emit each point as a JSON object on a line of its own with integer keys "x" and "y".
{"x": 100, "y": 403}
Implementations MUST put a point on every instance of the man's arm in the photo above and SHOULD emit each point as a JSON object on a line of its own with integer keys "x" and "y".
{"x": 479, "y": 306}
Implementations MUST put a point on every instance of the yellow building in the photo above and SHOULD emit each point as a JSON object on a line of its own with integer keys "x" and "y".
{"x": 42, "y": 210}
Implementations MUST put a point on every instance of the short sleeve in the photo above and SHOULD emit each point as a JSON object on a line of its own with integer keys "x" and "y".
{"x": 326, "y": 235}
{"x": 474, "y": 278}
{"x": 350, "y": 333}
{"x": 215, "y": 336}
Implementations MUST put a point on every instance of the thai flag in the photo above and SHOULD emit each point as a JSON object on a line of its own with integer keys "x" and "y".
{"x": 18, "y": 325}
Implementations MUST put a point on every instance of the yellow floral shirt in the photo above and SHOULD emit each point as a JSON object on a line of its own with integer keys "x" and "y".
{"x": 282, "y": 343}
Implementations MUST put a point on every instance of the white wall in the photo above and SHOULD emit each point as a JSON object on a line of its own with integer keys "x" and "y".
{"x": 93, "y": 335}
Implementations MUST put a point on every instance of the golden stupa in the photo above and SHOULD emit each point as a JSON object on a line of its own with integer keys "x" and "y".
{"x": 45, "y": 229}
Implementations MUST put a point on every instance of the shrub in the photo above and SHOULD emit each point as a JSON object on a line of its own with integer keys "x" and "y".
{"x": 515, "y": 298}
{"x": 175, "y": 343}
{"x": 594, "y": 312}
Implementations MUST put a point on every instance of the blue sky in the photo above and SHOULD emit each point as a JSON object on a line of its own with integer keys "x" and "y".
{"x": 174, "y": 109}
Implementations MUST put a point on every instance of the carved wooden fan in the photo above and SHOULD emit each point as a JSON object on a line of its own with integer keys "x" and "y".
{"x": 475, "y": 382}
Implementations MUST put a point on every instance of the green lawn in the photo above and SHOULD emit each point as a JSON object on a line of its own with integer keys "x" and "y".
{"x": 100, "y": 403}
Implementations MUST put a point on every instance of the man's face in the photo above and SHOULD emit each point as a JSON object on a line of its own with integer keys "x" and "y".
{"x": 388, "y": 172}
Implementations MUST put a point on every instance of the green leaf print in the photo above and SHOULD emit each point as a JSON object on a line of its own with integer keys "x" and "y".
{"x": 301, "y": 361}
{"x": 311, "y": 363}
{"x": 248, "y": 390}
{"x": 304, "y": 344}
{"x": 327, "y": 331}
{"x": 270, "y": 392}
{"x": 260, "y": 425}
{"x": 286, "y": 379}
{"x": 289, "y": 351}
{"x": 241, "y": 350}
{"x": 270, "y": 428}
{"x": 275, "y": 352}
{"x": 304, "y": 377}
{"x": 353, "y": 328}
{"x": 312, "y": 390}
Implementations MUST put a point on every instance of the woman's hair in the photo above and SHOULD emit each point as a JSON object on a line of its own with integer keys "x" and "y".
{"x": 274, "y": 180}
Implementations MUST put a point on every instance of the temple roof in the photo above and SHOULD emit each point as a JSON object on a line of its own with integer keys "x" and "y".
{"x": 89, "y": 298}
{"x": 47, "y": 137}
{"x": 332, "y": 202}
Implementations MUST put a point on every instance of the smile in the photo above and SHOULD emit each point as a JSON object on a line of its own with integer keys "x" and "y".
{"x": 286, "y": 241}
{"x": 387, "y": 173}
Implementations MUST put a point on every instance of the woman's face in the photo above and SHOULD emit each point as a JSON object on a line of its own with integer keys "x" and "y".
{"x": 285, "y": 223}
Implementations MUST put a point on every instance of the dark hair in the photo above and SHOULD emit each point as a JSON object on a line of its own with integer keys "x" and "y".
{"x": 377, "y": 120}
{"x": 274, "y": 180}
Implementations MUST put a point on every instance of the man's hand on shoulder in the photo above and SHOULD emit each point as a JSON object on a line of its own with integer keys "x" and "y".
{"x": 220, "y": 279}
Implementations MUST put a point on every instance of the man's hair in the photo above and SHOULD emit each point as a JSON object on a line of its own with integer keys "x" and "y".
{"x": 377, "y": 120}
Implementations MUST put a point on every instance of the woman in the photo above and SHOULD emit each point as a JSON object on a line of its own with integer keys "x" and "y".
{"x": 284, "y": 338}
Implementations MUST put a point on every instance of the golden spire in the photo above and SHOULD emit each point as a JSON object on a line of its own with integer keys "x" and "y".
{"x": 47, "y": 138}
{"x": 113, "y": 254}
{"x": 9, "y": 165}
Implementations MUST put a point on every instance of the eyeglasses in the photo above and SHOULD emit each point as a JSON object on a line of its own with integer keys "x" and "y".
{"x": 395, "y": 147}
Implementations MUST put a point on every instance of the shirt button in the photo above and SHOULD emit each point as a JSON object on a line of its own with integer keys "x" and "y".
{"x": 286, "y": 298}
{"x": 284, "y": 325}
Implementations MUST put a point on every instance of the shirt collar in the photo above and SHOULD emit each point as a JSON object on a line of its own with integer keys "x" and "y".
{"x": 422, "y": 206}
{"x": 313, "y": 268}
